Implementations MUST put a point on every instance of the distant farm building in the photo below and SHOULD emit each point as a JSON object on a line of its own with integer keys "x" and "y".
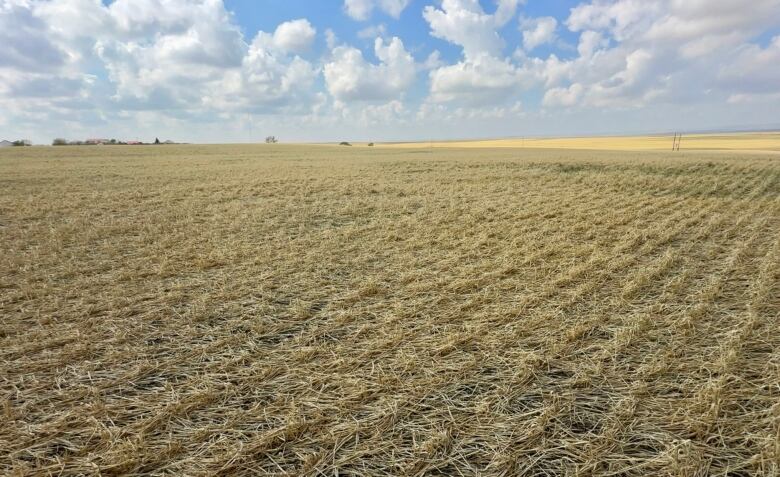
{"x": 20, "y": 142}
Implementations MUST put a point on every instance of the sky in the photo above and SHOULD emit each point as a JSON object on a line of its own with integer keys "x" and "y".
{"x": 384, "y": 70}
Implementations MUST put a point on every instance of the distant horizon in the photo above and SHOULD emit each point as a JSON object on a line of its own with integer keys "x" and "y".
{"x": 734, "y": 131}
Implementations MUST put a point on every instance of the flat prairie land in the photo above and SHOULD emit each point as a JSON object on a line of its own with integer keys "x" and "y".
{"x": 301, "y": 310}
{"x": 757, "y": 141}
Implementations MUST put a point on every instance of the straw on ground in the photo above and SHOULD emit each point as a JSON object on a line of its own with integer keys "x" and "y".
{"x": 283, "y": 310}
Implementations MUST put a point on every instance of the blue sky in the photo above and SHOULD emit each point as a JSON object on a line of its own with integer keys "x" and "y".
{"x": 326, "y": 70}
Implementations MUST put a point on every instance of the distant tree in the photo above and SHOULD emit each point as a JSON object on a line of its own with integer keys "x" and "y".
{"x": 271, "y": 140}
{"x": 370, "y": 144}
{"x": 113, "y": 141}
{"x": 59, "y": 142}
{"x": 22, "y": 142}
{"x": 157, "y": 140}
{"x": 344, "y": 143}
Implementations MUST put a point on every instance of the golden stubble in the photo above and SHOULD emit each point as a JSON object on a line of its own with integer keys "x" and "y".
{"x": 303, "y": 310}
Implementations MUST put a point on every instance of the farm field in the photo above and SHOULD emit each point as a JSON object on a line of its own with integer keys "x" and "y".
{"x": 305, "y": 310}
{"x": 753, "y": 141}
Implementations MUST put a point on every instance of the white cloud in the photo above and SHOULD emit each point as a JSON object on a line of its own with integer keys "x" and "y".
{"x": 267, "y": 80}
{"x": 180, "y": 57}
{"x": 484, "y": 79}
{"x": 373, "y": 31}
{"x": 74, "y": 24}
{"x": 181, "y": 64}
{"x": 433, "y": 61}
{"x": 361, "y": 9}
{"x": 505, "y": 11}
{"x": 294, "y": 36}
{"x": 622, "y": 17}
{"x": 86, "y": 64}
{"x": 472, "y": 115}
{"x": 563, "y": 96}
{"x": 538, "y": 31}
{"x": 349, "y": 77}
{"x": 590, "y": 42}
{"x": 144, "y": 18}
{"x": 482, "y": 76}
{"x": 754, "y": 70}
{"x": 392, "y": 111}
{"x": 331, "y": 39}
{"x": 36, "y": 63}
{"x": 464, "y": 23}
{"x": 47, "y": 87}
{"x": 358, "y": 9}
{"x": 633, "y": 53}
{"x": 27, "y": 45}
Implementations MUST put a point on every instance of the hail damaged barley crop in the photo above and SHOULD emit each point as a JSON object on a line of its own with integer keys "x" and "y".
{"x": 284, "y": 310}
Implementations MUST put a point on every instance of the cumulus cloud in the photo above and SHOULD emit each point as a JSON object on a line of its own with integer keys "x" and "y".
{"x": 484, "y": 79}
{"x": 349, "y": 77}
{"x": 563, "y": 96}
{"x": 373, "y": 31}
{"x": 294, "y": 36}
{"x": 482, "y": 75}
{"x": 26, "y": 42}
{"x": 36, "y": 63}
{"x": 160, "y": 55}
{"x": 753, "y": 70}
{"x": 538, "y": 31}
{"x": 362, "y": 9}
{"x": 267, "y": 81}
{"x": 180, "y": 65}
{"x": 465, "y": 23}
{"x": 331, "y": 39}
{"x": 633, "y": 53}
{"x": 98, "y": 62}
{"x": 590, "y": 42}
{"x": 392, "y": 111}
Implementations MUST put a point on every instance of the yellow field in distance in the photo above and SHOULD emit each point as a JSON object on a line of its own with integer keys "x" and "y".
{"x": 758, "y": 141}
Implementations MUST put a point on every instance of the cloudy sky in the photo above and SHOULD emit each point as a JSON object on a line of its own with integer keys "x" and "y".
{"x": 311, "y": 70}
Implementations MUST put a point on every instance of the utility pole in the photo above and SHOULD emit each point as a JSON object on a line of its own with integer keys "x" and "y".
{"x": 676, "y": 141}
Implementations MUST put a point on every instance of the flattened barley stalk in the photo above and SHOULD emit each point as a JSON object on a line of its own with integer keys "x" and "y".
{"x": 470, "y": 313}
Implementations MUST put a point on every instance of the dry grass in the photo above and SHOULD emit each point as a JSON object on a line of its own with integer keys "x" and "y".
{"x": 245, "y": 310}
{"x": 767, "y": 141}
